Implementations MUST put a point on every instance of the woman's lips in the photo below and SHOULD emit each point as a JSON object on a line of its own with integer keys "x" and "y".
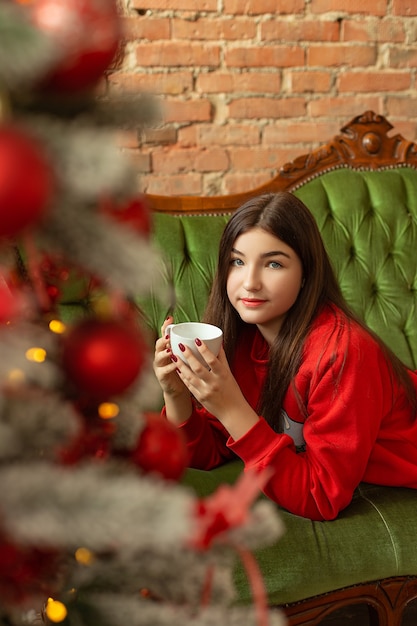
{"x": 252, "y": 302}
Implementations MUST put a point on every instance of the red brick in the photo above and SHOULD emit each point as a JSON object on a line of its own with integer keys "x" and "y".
{"x": 268, "y": 56}
{"x": 139, "y": 28}
{"x": 174, "y": 83}
{"x": 127, "y": 139}
{"x": 344, "y": 107}
{"x": 190, "y": 184}
{"x": 402, "y": 57}
{"x": 173, "y": 160}
{"x": 246, "y": 82}
{"x": 304, "y": 30}
{"x": 176, "y": 5}
{"x": 290, "y": 131}
{"x": 370, "y": 7}
{"x": 261, "y": 157}
{"x": 209, "y": 29}
{"x": 260, "y": 7}
{"x": 187, "y": 111}
{"x": 228, "y": 135}
{"x": 404, "y": 7}
{"x": 373, "y": 81}
{"x": 307, "y": 81}
{"x": 140, "y": 160}
{"x": 261, "y": 108}
{"x": 401, "y": 107}
{"x": 159, "y": 136}
{"x": 343, "y": 54}
{"x": 169, "y": 54}
{"x": 187, "y": 135}
{"x": 212, "y": 160}
{"x": 373, "y": 29}
{"x": 237, "y": 183}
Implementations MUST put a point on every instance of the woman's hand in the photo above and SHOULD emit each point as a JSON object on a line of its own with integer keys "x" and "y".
{"x": 176, "y": 395}
{"x": 216, "y": 389}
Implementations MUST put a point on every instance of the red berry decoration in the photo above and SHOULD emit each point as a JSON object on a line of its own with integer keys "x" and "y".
{"x": 161, "y": 449}
{"x": 25, "y": 181}
{"x": 88, "y": 32}
{"x": 103, "y": 357}
{"x": 135, "y": 213}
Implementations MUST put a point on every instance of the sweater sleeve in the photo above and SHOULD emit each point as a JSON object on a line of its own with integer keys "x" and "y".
{"x": 206, "y": 440}
{"x": 346, "y": 399}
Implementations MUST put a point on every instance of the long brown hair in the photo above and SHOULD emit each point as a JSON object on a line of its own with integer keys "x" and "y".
{"x": 287, "y": 218}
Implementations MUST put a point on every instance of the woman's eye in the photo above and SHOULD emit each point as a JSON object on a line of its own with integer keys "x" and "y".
{"x": 274, "y": 265}
{"x": 236, "y": 262}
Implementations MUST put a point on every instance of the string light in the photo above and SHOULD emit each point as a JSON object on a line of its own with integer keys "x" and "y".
{"x": 84, "y": 556}
{"x": 38, "y": 355}
{"x": 55, "y": 611}
{"x": 107, "y": 410}
{"x": 58, "y": 327}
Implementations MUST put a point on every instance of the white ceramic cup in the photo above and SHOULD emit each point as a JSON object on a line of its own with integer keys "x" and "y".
{"x": 187, "y": 332}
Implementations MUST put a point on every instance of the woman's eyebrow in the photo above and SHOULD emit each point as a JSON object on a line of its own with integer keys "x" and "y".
{"x": 265, "y": 254}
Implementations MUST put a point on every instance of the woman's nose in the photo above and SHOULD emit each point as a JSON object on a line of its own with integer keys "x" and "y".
{"x": 252, "y": 281}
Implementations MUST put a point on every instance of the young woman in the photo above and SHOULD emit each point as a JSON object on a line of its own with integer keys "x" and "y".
{"x": 301, "y": 386}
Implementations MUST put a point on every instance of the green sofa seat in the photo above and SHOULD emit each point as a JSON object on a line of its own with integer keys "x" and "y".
{"x": 371, "y": 539}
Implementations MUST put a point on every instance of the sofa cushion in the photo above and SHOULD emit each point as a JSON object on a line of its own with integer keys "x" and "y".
{"x": 371, "y": 539}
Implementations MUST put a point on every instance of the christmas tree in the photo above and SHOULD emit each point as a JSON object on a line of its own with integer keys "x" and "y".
{"x": 95, "y": 527}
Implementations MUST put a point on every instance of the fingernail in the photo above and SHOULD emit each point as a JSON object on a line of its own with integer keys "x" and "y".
{"x": 181, "y": 347}
{"x": 166, "y": 336}
{"x": 168, "y": 351}
{"x": 174, "y": 358}
{"x": 198, "y": 342}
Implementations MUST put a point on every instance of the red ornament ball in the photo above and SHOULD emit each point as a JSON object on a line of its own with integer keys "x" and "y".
{"x": 161, "y": 449}
{"x": 103, "y": 357}
{"x": 135, "y": 213}
{"x": 88, "y": 32}
{"x": 26, "y": 181}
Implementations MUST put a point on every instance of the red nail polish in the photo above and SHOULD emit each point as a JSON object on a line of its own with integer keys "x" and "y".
{"x": 168, "y": 351}
{"x": 198, "y": 342}
{"x": 181, "y": 347}
{"x": 174, "y": 358}
{"x": 166, "y": 336}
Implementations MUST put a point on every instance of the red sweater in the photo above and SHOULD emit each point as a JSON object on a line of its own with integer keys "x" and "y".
{"x": 362, "y": 431}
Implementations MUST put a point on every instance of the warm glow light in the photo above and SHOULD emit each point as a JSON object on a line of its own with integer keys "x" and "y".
{"x": 56, "y": 611}
{"x": 38, "y": 355}
{"x": 84, "y": 556}
{"x": 16, "y": 376}
{"x": 107, "y": 410}
{"x": 57, "y": 327}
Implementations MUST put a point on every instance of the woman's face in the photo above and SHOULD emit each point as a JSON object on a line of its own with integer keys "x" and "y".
{"x": 264, "y": 280}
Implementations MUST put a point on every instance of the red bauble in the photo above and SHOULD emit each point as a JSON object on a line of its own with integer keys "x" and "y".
{"x": 88, "y": 32}
{"x": 161, "y": 449}
{"x": 25, "y": 181}
{"x": 103, "y": 357}
{"x": 135, "y": 213}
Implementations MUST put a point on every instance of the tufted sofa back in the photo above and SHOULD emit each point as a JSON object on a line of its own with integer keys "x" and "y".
{"x": 368, "y": 220}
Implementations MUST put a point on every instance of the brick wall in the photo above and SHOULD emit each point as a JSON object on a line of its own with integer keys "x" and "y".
{"x": 247, "y": 85}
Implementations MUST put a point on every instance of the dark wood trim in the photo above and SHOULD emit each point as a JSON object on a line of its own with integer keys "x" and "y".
{"x": 364, "y": 143}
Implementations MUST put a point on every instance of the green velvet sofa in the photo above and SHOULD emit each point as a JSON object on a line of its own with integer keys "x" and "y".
{"x": 362, "y": 188}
